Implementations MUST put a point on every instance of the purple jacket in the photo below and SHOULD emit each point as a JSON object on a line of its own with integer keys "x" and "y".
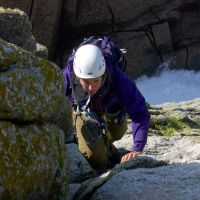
{"x": 128, "y": 95}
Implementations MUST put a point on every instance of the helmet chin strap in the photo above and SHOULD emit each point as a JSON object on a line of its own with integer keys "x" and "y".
{"x": 90, "y": 95}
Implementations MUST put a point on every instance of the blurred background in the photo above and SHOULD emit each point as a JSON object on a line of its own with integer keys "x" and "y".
{"x": 155, "y": 33}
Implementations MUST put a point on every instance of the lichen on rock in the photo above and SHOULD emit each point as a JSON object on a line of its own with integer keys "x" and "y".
{"x": 33, "y": 162}
{"x": 17, "y": 28}
{"x": 32, "y": 88}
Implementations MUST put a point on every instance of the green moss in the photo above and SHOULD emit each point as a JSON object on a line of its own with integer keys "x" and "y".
{"x": 167, "y": 126}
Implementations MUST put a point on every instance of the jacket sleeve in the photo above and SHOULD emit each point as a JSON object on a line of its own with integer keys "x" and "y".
{"x": 135, "y": 105}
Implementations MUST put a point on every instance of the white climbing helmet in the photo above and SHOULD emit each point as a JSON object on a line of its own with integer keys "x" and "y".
{"x": 89, "y": 62}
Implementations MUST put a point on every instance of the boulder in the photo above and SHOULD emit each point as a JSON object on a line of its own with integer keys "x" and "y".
{"x": 45, "y": 19}
{"x": 20, "y": 4}
{"x": 32, "y": 88}
{"x": 16, "y": 28}
{"x": 88, "y": 188}
{"x": 170, "y": 182}
{"x": 33, "y": 162}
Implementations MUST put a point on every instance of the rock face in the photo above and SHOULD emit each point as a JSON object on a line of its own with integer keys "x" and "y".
{"x": 152, "y": 31}
{"x": 79, "y": 167}
{"x": 163, "y": 183}
{"x": 34, "y": 124}
{"x": 35, "y": 83}
{"x": 32, "y": 82}
{"x": 45, "y": 19}
{"x": 169, "y": 165}
{"x": 33, "y": 162}
{"x": 16, "y": 28}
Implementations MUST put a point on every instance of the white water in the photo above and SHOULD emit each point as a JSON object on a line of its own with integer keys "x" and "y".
{"x": 170, "y": 86}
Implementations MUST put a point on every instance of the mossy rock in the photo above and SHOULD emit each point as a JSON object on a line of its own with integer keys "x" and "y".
{"x": 16, "y": 28}
{"x": 64, "y": 120}
{"x": 175, "y": 118}
{"x": 167, "y": 125}
{"x": 33, "y": 162}
{"x": 32, "y": 88}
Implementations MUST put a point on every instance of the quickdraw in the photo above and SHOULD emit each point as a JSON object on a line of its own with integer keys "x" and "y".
{"x": 90, "y": 115}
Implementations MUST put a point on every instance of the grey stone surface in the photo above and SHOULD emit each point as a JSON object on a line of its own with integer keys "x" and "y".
{"x": 169, "y": 28}
{"x": 177, "y": 182}
{"x": 186, "y": 31}
{"x": 46, "y": 22}
{"x": 88, "y": 188}
{"x": 162, "y": 36}
{"x": 141, "y": 56}
{"x": 168, "y": 166}
{"x": 33, "y": 90}
{"x": 16, "y": 28}
{"x": 78, "y": 166}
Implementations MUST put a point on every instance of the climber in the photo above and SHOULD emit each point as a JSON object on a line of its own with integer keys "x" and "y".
{"x": 102, "y": 97}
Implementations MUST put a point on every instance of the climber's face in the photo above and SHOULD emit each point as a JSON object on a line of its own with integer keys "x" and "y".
{"x": 91, "y": 85}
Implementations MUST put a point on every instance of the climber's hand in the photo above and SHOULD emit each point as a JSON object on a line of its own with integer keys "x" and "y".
{"x": 130, "y": 155}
